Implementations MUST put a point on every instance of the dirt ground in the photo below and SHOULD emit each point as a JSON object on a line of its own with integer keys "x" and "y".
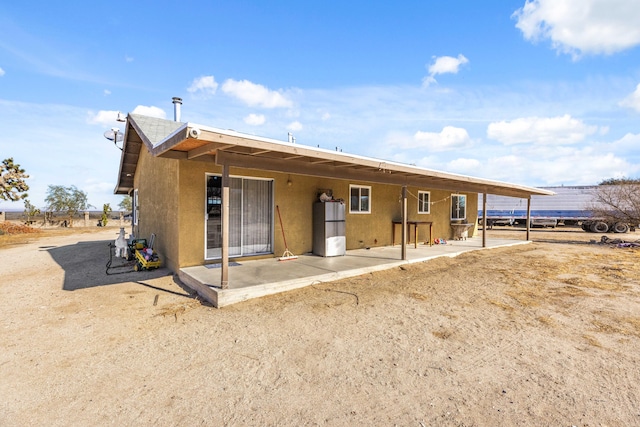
{"x": 540, "y": 334}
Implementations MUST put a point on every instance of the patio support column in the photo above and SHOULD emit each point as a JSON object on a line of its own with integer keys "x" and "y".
{"x": 528, "y": 217}
{"x": 484, "y": 220}
{"x": 224, "y": 276}
{"x": 404, "y": 222}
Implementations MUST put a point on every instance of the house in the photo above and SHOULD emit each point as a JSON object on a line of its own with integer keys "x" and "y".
{"x": 211, "y": 195}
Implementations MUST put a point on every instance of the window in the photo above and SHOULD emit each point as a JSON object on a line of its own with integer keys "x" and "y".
{"x": 424, "y": 197}
{"x": 135, "y": 208}
{"x": 360, "y": 199}
{"x": 250, "y": 216}
{"x": 458, "y": 206}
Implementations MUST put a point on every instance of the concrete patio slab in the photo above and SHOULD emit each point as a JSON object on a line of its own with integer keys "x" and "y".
{"x": 258, "y": 278}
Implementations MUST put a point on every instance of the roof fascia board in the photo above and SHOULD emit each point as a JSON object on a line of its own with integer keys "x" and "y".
{"x": 119, "y": 188}
{"x": 170, "y": 141}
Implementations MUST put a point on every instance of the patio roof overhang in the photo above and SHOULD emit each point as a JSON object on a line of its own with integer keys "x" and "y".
{"x": 188, "y": 141}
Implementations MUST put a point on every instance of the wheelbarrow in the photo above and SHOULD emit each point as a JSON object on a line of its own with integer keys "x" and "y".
{"x": 146, "y": 259}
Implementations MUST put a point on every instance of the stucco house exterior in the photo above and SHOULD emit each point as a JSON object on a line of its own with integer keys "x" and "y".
{"x": 211, "y": 195}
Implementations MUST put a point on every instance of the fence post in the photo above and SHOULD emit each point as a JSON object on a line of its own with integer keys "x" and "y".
{"x": 86, "y": 219}
{"x": 2, "y": 217}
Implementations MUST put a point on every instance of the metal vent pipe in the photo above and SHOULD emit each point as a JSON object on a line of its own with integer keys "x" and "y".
{"x": 177, "y": 102}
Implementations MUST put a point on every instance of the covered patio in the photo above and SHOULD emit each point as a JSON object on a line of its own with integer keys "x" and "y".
{"x": 164, "y": 164}
{"x": 258, "y": 278}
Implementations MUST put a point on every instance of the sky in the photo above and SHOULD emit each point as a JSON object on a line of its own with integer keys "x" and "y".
{"x": 538, "y": 93}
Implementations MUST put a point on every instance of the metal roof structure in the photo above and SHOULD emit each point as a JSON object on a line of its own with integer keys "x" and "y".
{"x": 188, "y": 141}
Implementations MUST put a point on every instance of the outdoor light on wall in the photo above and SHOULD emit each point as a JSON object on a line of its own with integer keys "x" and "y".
{"x": 114, "y": 135}
{"x": 289, "y": 182}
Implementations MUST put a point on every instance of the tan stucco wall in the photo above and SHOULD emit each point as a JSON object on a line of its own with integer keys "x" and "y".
{"x": 157, "y": 183}
{"x": 295, "y": 203}
{"x": 172, "y": 202}
{"x": 192, "y": 210}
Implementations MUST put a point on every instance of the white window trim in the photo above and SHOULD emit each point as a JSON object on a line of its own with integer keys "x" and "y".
{"x": 135, "y": 208}
{"x": 465, "y": 207}
{"x": 359, "y": 212}
{"x": 428, "y": 211}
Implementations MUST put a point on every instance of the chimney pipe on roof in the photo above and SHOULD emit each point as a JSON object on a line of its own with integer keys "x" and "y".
{"x": 177, "y": 102}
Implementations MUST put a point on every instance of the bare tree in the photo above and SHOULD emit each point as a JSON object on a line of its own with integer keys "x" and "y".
{"x": 618, "y": 201}
{"x": 12, "y": 181}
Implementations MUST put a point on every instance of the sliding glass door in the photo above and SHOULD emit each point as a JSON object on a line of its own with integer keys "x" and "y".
{"x": 250, "y": 217}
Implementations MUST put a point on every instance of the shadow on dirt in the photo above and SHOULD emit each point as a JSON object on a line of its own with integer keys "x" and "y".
{"x": 561, "y": 241}
{"x": 84, "y": 265}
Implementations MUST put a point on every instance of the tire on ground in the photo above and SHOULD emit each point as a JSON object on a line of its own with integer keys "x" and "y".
{"x": 620, "y": 227}
{"x": 599, "y": 227}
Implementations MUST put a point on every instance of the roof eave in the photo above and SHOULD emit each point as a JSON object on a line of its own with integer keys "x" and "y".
{"x": 221, "y": 138}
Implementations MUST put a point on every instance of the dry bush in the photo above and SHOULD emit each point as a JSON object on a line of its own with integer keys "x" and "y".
{"x": 12, "y": 228}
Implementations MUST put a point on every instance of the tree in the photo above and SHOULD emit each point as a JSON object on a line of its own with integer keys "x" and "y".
{"x": 618, "y": 181}
{"x": 618, "y": 200}
{"x": 12, "y": 181}
{"x": 125, "y": 204}
{"x": 30, "y": 210}
{"x": 66, "y": 199}
{"x": 106, "y": 211}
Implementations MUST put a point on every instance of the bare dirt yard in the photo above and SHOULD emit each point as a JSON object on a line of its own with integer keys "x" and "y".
{"x": 541, "y": 334}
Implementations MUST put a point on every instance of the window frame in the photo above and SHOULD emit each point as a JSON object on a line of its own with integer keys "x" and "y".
{"x": 421, "y": 202}
{"x": 241, "y": 230}
{"x": 360, "y": 188}
{"x": 458, "y": 197}
{"x": 135, "y": 208}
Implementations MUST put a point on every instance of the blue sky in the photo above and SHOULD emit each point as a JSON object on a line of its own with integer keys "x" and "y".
{"x": 539, "y": 93}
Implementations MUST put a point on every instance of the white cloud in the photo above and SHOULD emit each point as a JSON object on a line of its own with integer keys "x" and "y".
{"x": 128, "y": 58}
{"x": 2, "y": 73}
{"x": 629, "y": 141}
{"x": 450, "y": 138}
{"x": 429, "y": 162}
{"x": 106, "y": 92}
{"x": 255, "y": 119}
{"x": 581, "y": 26}
{"x": 102, "y": 117}
{"x": 150, "y": 111}
{"x": 464, "y": 166}
{"x": 255, "y": 95}
{"x": 109, "y": 117}
{"x": 584, "y": 165}
{"x": 294, "y": 126}
{"x": 540, "y": 130}
{"x": 72, "y": 157}
{"x": 204, "y": 84}
{"x": 444, "y": 65}
{"x": 93, "y": 186}
{"x": 633, "y": 100}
